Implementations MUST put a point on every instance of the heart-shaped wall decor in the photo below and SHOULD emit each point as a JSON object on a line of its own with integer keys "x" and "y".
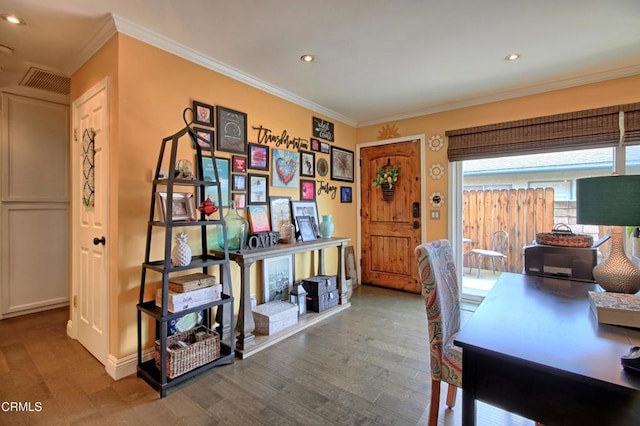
{"x": 286, "y": 169}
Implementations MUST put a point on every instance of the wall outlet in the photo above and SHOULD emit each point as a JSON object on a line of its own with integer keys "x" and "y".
{"x": 435, "y": 214}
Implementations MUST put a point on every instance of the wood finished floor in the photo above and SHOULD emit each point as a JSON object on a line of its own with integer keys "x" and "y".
{"x": 366, "y": 366}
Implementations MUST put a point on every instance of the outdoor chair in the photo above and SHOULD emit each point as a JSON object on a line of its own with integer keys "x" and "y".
{"x": 441, "y": 295}
{"x": 499, "y": 245}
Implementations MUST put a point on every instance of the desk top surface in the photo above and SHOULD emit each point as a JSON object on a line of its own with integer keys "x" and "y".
{"x": 548, "y": 322}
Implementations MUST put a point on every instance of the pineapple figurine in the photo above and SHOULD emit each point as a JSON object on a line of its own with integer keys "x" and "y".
{"x": 181, "y": 253}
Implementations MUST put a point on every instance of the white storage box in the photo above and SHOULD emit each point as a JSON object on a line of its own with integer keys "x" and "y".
{"x": 180, "y": 301}
{"x": 274, "y": 316}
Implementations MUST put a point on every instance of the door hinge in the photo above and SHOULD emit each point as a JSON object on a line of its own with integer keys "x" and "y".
{"x": 75, "y": 135}
{"x": 75, "y": 301}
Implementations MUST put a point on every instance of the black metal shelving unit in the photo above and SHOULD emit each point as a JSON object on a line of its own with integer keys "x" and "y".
{"x": 157, "y": 377}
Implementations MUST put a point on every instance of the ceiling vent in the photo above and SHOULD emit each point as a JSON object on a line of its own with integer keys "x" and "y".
{"x": 46, "y": 80}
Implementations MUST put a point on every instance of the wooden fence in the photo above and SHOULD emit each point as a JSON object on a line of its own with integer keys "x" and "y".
{"x": 520, "y": 212}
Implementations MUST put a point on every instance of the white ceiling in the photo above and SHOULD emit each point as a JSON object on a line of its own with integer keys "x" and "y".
{"x": 377, "y": 60}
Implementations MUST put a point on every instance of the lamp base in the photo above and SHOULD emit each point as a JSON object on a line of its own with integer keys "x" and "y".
{"x": 617, "y": 274}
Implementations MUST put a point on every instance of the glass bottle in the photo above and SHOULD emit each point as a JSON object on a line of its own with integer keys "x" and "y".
{"x": 237, "y": 230}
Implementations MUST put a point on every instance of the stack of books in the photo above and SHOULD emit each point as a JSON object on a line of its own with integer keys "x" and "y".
{"x": 188, "y": 291}
{"x": 616, "y": 308}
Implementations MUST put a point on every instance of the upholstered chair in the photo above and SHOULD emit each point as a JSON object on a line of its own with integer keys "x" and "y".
{"x": 441, "y": 295}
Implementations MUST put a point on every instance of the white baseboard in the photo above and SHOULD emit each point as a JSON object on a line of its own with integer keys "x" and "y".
{"x": 123, "y": 367}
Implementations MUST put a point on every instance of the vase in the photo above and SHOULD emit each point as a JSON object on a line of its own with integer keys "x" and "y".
{"x": 237, "y": 230}
{"x": 287, "y": 232}
{"x": 326, "y": 226}
{"x": 181, "y": 253}
{"x": 387, "y": 191}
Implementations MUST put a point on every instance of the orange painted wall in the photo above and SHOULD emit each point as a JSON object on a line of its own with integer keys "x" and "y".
{"x": 153, "y": 88}
{"x": 613, "y": 92}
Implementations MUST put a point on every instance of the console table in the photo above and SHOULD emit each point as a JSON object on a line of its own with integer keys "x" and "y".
{"x": 534, "y": 348}
{"x": 246, "y": 343}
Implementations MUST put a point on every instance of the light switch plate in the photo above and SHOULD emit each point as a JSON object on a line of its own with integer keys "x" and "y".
{"x": 435, "y": 214}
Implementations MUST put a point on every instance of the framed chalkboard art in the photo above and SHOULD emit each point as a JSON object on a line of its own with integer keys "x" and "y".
{"x": 231, "y": 130}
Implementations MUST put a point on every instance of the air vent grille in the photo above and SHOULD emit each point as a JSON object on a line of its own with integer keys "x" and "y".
{"x": 46, "y": 80}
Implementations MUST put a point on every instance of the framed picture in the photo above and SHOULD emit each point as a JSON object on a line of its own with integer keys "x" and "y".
{"x": 324, "y": 147}
{"x": 258, "y": 156}
{"x": 183, "y": 207}
{"x": 238, "y": 182}
{"x": 285, "y": 168}
{"x": 258, "y": 219}
{"x": 231, "y": 130}
{"x": 204, "y": 137}
{"x": 307, "y": 233}
{"x": 240, "y": 199}
{"x": 322, "y": 129}
{"x": 345, "y": 194}
{"x": 315, "y": 144}
{"x": 277, "y": 278}
{"x": 238, "y": 164}
{"x": 202, "y": 114}
{"x": 307, "y": 164}
{"x": 208, "y": 173}
{"x": 307, "y": 189}
{"x": 306, "y": 208}
{"x": 341, "y": 164}
{"x": 258, "y": 189}
{"x": 280, "y": 209}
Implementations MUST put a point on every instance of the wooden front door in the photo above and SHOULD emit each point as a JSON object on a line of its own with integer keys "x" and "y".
{"x": 391, "y": 229}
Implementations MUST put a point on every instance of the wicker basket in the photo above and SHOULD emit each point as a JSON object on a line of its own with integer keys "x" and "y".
{"x": 203, "y": 346}
{"x": 562, "y": 236}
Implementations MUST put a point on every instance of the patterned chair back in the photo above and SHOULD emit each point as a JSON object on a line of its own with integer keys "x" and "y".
{"x": 441, "y": 295}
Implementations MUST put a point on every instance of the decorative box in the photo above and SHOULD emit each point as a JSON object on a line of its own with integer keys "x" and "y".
{"x": 323, "y": 301}
{"x": 319, "y": 284}
{"x": 272, "y": 317}
{"x": 185, "y": 283}
{"x": 180, "y": 301}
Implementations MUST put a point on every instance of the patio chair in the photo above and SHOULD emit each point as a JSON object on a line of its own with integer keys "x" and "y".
{"x": 441, "y": 295}
{"x": 499, "y": 244}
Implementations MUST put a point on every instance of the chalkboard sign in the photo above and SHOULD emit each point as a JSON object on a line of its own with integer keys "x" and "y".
{"x": 322, "y": 129}
{"x": 231, "y": 130}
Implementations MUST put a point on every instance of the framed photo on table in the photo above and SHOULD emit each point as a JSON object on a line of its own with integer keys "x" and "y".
{"x": 258, "y": 218}
{"x": 231, "y": 130}
{"x": 277, "y": 278}
{"x": 341, "y": 164}
{"x": 306, "y": 208}
{"x": 280, "y": 208}
{"x": 307, "y": 233}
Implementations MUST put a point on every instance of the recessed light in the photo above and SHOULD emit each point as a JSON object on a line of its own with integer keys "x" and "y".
{"x": 13, "y": 19}
{"x": 307, "y": 58}
{"x": 512, "y": 57}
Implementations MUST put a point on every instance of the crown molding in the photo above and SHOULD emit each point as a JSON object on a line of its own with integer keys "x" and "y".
{"x": 106, "y": 29}
{"x": 131, "y": 29}
{"x": 512, "y": 94}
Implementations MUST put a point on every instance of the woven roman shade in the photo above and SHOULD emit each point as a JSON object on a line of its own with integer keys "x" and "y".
{"x": 593, "y": 128}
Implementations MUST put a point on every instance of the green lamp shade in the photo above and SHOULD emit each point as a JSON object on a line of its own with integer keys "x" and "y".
{"x": 608, "y": 200}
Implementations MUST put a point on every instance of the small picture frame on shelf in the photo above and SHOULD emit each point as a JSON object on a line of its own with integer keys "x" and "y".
{"x": 202, "y": 113}
{"x": 280, "y": 209}
{"x": 306, "y": 208}
{"x": 183, "y": 207}
{"x": 231, "y": 130}
{"x": 305, "y": 226}
{"x": 277, "y": 278}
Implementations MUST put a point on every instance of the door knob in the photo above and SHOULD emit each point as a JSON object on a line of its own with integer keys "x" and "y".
{"x": 97, "y": 241}
{"x": 416, "y": 224}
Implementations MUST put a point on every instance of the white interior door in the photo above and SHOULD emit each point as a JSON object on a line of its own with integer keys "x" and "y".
{"x": 90, "y": 222}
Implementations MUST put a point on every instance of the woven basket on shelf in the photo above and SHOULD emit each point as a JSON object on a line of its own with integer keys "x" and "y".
{"x": 562, "y": 236}
{"x": 195, "y": 354}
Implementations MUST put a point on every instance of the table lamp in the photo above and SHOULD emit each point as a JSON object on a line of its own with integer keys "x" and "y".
{"x": 615, "y": 201}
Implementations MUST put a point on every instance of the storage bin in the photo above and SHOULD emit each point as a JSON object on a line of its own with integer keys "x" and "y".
{"x": 203, "y": 346}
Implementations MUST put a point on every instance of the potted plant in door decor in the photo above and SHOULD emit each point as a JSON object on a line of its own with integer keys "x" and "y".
{"x": 386, "y": 178}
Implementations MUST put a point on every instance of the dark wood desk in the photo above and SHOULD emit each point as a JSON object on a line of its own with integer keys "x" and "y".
{"x": 534, "y": 348}
{"x": 246, "y": 340}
